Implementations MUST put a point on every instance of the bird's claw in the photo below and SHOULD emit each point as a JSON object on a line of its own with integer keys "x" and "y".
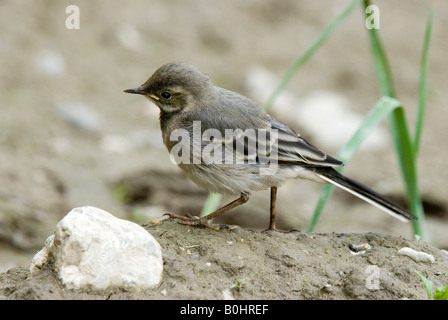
{"x": 190, "y": 220}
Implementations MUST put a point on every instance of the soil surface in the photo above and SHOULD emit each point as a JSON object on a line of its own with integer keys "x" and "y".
{"x": 200, "y": 263}
{"x": 70, "y": 137}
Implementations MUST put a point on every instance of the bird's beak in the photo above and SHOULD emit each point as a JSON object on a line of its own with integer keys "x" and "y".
{"x": 137, "y": 90}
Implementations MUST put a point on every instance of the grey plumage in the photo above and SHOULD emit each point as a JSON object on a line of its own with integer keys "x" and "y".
{"x": 186, "y": 98}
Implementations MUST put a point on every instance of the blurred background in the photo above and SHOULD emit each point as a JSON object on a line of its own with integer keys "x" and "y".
{"x": 70, "y": 137}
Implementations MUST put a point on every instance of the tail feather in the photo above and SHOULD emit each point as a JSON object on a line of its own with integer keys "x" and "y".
{"x": 361, "y": 191}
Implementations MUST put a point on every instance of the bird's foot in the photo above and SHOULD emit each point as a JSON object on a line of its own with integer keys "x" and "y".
{"x": 279, "y": 230}
{"x": 190, "y": 220}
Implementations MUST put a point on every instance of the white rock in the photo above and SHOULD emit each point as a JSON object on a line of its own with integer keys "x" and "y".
{"x": 93, "y": 249}
{"x": 227, "y": 295}
{"x": 445, "y": 252}
{"x": 129, "y": 36}
{"x": 80, "y": 116}
{"x": 50, "y": 63}
{"x": 115, "y": 143}
{"x": 41, "y": 257}
{"x": 418, "y": 256}
{"x": 328, "y": 117}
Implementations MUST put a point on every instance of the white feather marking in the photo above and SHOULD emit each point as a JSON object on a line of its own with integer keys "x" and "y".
{"x": 376, "y": 204}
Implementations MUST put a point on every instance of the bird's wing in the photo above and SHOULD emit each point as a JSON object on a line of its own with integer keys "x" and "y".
{"x": 293, "y": 148}
{"x": 254, "y": 134}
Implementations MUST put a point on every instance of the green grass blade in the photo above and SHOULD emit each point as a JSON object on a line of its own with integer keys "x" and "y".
{"x": 211, "y": 203}
{"x": 428, "y": 285}
{"x": 383, "y": 108}
{"x": 423, "y": 85}
{"x": 405, "y": 151}
{"x": 310, "y": 51}
{"x": 403, "y": 144}
{"x": 441, "y": 293}
{"x": 382, "y": 68}
{"x": 379, "y": 112}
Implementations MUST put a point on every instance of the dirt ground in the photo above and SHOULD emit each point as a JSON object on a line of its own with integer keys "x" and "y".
{"x": 70, "y": 137}
{"x": 241, "y": 264}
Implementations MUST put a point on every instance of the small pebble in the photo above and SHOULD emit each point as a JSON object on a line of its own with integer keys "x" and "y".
{"x": 227, "y": 295}
{"x": 80, "y": 116}
{"x": 50, "y": 63}
{"x": 356, "y": 249}
{"x": 418, "y": 256}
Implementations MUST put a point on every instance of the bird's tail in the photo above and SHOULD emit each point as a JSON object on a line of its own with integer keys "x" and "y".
{"x": 361, "y": 191}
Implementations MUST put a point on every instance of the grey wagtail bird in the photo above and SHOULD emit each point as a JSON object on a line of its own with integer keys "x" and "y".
{"x": 227, "y": 144}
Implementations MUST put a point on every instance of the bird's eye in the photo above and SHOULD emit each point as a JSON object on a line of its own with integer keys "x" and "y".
{"x": 166, "y": 95}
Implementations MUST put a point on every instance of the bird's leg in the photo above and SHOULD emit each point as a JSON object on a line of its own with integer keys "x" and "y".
{"x": 272, "y": 215}
{"x": 195, "y": 221}
{"x": 272, "y": 226}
